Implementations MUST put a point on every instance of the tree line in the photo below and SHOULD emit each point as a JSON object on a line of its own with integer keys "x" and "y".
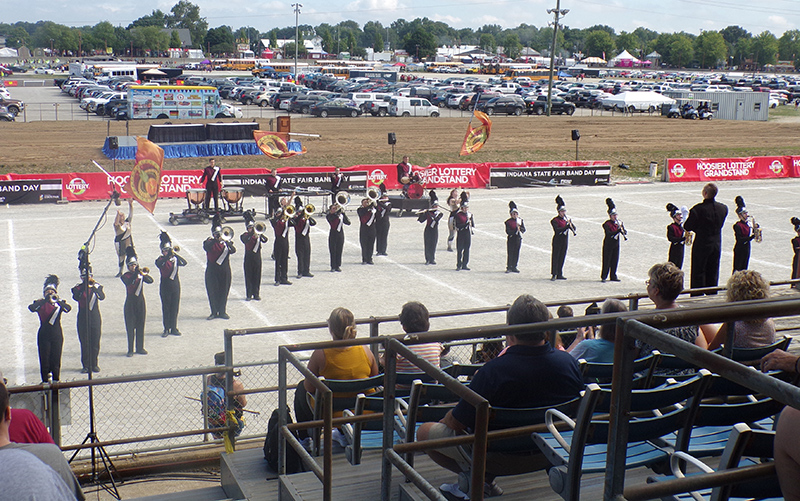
{"x": 732, "y": 46}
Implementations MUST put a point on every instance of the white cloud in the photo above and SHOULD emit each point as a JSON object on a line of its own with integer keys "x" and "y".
{"x": 451, "y": 20}
{"x": 779, "y": 25}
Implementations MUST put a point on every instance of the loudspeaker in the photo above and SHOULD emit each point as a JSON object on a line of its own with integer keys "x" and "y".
{"x": 113, "y": 142}
{"x": 576, "y": 134}
{"x": 392, "y": 138}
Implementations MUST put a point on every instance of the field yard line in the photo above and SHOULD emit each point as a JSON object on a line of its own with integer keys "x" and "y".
{"x": 16, "y": 307}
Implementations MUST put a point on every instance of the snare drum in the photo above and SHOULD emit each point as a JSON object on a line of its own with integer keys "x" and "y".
{"x": 415, "y": 190}
{"x": 196, "y": 195}
{"x": 232, "y": 194}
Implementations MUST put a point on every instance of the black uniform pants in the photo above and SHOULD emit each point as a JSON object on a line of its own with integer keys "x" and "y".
{"x": 431, "y": 237}
{"x": 212, "y": 191}
{"x": 705, "y": 265}
{"x": 367, "y": 239}
{"x": 676, "y": 254}
{"x": 170, "y": 291}
{"x": 89, "y": 337}
{"x": 218, "y": 284}
{"x": 335, "y": 247}
{"x": 252, "y": 274}
{"x": 135, "y": 314}
{"x": 302, "y": 248}
{"x": 382, "y": 235}
{"x": 50, "y": 341}
{"x": 610, "y": 258}
{"x": 463, "y": 242}
{"x": 513, "y": 244}
{"x": 741, "y": 256}
{"x": 559, "y": 255}
{"x": 280, "y": 251}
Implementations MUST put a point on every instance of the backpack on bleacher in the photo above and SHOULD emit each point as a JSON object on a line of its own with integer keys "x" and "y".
{"x": 293, "y": 462}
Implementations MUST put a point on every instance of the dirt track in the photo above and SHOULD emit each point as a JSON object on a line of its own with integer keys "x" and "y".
{"x": 70, "y": 146}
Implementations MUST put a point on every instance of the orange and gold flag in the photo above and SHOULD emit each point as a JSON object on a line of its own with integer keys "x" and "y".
{"x": 145, "y": 181}
{"x": 476, "y": 136}
{"x": 274, "y": 144}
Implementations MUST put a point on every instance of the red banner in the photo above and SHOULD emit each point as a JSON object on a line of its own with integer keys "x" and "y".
{"x": 731, "y": 169}
{"x": 433, "y": 176}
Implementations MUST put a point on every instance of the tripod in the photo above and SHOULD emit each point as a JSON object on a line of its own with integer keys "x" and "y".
{"x": 96, "y": 450}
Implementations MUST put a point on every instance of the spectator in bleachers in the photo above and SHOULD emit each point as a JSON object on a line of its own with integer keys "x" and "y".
{"x": 746, "y": 285}
{"x": 350, "y": 362}
{"x": 599, "y": 349}
{"x": 787, "y": 436}
{"x": 414, "y": 318}
{"x": 523, "y": 377}
{"x": 663, "y": 288}
{"x": 25, "y": 427}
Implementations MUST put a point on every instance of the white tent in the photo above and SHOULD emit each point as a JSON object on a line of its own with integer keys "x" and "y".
{"x": 636, "y": 101}
{"x": 8, "y": 52}
{"x": 625, "y": 56}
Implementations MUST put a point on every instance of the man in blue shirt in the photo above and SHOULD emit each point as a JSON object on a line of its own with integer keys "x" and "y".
{"x": 529, "y": 374}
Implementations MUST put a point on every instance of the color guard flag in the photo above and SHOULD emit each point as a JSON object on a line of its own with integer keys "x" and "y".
{"x": 145, "y": 181}
{"x": 476, "y": 136}
{"x": 274, "y": 144}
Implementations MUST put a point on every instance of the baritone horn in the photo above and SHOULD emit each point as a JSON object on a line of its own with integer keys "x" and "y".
{"x": 373, "y": 194}
{"x": 226, "y": 233}
{"x": 260, "y": 228}
{"x": 342, "y": 198}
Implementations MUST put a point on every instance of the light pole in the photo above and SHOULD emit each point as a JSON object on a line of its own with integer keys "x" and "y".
{"x": 297, "y": 7}
{"x": 558, "y": 11}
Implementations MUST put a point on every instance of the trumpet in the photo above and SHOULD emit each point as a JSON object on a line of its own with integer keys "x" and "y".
{"x": 145, "y": 270}
{"x": 689, "y": 238}
{"x": 226, "y": 233}
{"x": 260, "y": 228}
{"x": 342, "y": 199}
{"x": 571, "y": 226}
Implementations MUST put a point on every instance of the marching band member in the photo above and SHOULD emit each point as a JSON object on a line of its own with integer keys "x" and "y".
{"x": 613, "y": 229}
{"x": 336, "y": 219}
{"x": 796, "y": 248}
{"x": 218, "y": 270}
{"x": 366, "y": 236}
{"x": 676, "y": 236}
{"x": 123, "y": 234}
{"x": 170, "y": 286}
{"x": 337, "y": 183}
{"x": 561, "y": 227}
{"x": 452, "y": 205}
{"x": 50, "y": 338}
{"x": 135, "y": 305}
{"x": 90, "y": 323}
{"x": 273, "y": 183}
{"x": 515, "y": 227}
{"x": 744, "y": 234}
{"x": 384, "y": 207}
{"x": 405, "y": 174}
{"x": 213, "y": 179}
{"x": 302, "y": 241}
{"x": 464, "y": 226}
{"x": 252, "y": 257}
{"x": 281, "y": 221}
{"x": 431, "y": 218}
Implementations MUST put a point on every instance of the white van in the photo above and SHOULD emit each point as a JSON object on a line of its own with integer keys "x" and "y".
{"x": 400, "y": 106}
{"x": 362, "y": 99}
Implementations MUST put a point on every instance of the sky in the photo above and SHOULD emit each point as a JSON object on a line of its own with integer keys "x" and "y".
{"x": 663, "y": 16}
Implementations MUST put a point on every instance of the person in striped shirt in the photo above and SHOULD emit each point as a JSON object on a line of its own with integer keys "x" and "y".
{"x": 413, "y": 319}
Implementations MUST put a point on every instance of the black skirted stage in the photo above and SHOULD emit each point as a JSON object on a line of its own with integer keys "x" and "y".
{"x": 194, "y": 140}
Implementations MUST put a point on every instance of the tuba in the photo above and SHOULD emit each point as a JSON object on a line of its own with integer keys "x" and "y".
{"x": 227, "y": 233}
{"x": 342, "y": 198}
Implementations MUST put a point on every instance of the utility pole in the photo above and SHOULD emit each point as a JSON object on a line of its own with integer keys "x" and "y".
{"x": 297, "y": 7}
{"x": 558, "y": 11}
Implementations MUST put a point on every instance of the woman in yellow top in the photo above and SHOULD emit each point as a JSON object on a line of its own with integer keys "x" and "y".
{"x": 351, "y": 362}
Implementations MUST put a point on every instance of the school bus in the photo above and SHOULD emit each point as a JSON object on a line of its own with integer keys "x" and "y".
{"x": 270, "y": 66}
{"x": 533, "y": 74}
{"x": 437, "y": 67}
{"x": 243, "y": 64}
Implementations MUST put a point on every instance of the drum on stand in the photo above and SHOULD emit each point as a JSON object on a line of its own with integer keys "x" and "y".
{"x": 196, "y": 196}
{"x": 415, "y": 190}
{"x": 233, "y": 196}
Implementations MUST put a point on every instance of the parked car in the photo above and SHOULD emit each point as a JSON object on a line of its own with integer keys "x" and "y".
{"x": 336, "y": 107}
{"x": 43, "y": 71}
{"x": 411, "y": 106}
{"x": 5, "y": 115}
{"x": 557, "y": 105}
{"x": 511, "y": 105}
{"x": 304, "y": 103}
{"x": 14, "y": 106}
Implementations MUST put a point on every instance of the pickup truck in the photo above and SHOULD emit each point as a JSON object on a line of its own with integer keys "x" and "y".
{"x": 14, "y": 106}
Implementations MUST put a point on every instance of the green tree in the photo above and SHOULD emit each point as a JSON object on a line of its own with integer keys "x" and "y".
{"x": 710, "y": 49}
{"x": 599, "y": 42}
{"x": 765, "y": 47}
{"x": 104, "y": 33}
{"x": 487, "y": 42}
{"x": 156, "y": 18}
{"x": 220, "y": 40}
{"x": 681, "y": 51}
{"x": 288, "y": 51}
{"x": 273, "y": 39}
{"x": 420, "y": 40}
{"x": 512, "y": 46}
{"x": 789, "y": 47}
{"x": 185, "y": 14}
{"x": 739, "y": 41}
{"x": 377, "y": 45}
{"x": 16, "y": 37}
{"x": 629, "y": 42}
{"x": 174, "y": 40}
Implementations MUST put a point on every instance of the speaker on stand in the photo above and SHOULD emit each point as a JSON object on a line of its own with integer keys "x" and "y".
{"x": 392, "y": 139}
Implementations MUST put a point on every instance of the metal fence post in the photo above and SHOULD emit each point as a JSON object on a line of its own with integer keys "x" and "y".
{"x": 619, "y": 411}
{"x": 389, "y": 379}
{"x": 229, "y": 384}
{"x": 374, "y": 331}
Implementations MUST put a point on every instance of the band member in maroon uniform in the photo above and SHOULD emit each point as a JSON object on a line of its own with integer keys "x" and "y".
{"x": 252, "y": 257}
{"x": 135, "y": 305}
{"x": 337, "y": 184}
{"x": 676, "y": 236}
{"x": 123, "y": 234}
{"x": 515, "y": 227}
{"x": 88, "y": 294}
{"x": 336, "y": 219}
{"x": 452, "y": 205}
{"x": 302, "y": 240}
{"x": 561, "y": 228}
{"x": 170, "y": 287}
{"x": 218, "y": 270}
{"x": 213, "y": 182}
{"x": 50, "y": 338}
{"x": 281, "y": 221}
{"x": 431, "y": 218}
{"x": 367, "y": 214}
{"x": 464, "y": 227}
{"x": 614, "y": 230}
{"x": 273, "y": 184}
{"x": 404, "y": 174}
{"x": 744, "y": 234}
{"x": 796, "y": 248}
{"x": 384, "y": 207}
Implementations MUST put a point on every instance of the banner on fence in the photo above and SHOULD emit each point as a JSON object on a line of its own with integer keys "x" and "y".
{"x": 731, "y": 169}
{"x": 255, "y": 184}
{"x": 30, "y": 191}
{"x": 526, "y": 174}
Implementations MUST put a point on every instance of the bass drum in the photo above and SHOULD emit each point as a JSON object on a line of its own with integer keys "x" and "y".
{"x": 415, "y": 190}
